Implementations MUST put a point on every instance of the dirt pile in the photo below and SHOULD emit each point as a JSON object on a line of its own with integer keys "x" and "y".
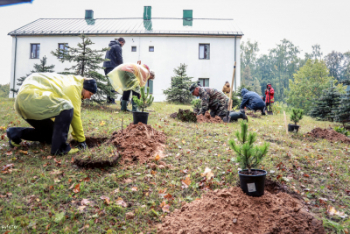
{"x": 138, "y": 143}
{"x": 208, "y": 119}
{"x": 232, "y": 211}
{"x": 329, "y": 134}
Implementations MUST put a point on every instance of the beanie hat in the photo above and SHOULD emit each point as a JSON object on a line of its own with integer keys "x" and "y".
{"x": 90, "y": 85}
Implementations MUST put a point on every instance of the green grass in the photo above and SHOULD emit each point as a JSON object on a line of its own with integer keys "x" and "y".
{"x": 37, "y": 196}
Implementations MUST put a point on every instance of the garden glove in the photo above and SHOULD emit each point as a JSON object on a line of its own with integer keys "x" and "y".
{"x": 82, "y": 145}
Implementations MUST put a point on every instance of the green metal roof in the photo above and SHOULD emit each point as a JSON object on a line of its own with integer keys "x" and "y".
{"x": 162, "y": 26}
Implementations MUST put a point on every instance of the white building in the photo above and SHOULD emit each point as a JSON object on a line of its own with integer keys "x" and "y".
{"x": 209, "y": 47}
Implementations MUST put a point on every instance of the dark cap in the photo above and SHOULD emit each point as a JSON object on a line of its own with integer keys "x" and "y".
{"x": 90, "y": 85}
{"x": 193, "y": 87}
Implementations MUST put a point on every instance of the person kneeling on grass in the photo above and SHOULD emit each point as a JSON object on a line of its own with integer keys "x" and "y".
{"x": 130, "y": 77}
{"x": 252, "y": 101}
{"x": 44, "y": 96}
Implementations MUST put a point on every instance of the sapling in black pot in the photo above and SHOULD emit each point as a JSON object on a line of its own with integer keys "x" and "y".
{"x": 252, "y": 180}
{"x": 296, "y": 116}
{"x": 145, "y": 101}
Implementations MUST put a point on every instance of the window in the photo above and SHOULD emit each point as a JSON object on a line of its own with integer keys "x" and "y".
{"x": 204, "y": 82}
{"x": 63, "y": 47}
{"x": 204, "y": 51}
{"x": 133, "y": 48}
{"x": 34, "y": 51}
{"x": 150, "y": 85}
{"x": 151, "y": 49}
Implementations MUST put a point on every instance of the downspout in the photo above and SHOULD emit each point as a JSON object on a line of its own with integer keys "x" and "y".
{"x": 14, "y": 69}
{"x": 234, "y": 63}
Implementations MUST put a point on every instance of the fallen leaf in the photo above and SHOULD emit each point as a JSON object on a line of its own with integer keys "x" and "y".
{"x": 166, "y": 208}
{"x": 87, "y": 179}
{"x": 208, "y": 173}
{"x": 106, "y": 199}
{"x": 116, "y": 190}
{"x": 102, "y": 123}
{"x": 56, "y": 180}
{"x": 59, "y": 217}
{"x": 8, "y": 166}
{"x": 130, "y": 215}
{"x": 157, "y": 158}
{"x": 55, "y": 172}
{"x": 121, "y": 202}
{"x": 8, "y": 153}
{"x": 49, "y": 157}
{"x": 153, "y": 172}
{"x": 186, "y": 182}
{"x": 332, "y": 211}
{"x": 85, "y": 202}
{"x": 72, "y": 160}
{"x": 306, "y": 175}
{"x": 128, "y": 181}
{"x": 76, "y": 188}
{"x": 81, "y": 208}
{"x": 23, "y": 152}
{"x": 134, "y": 189}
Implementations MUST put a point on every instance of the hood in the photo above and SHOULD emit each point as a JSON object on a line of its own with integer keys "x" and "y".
{"x": 112, "y": 43}
{"x": 227, "y": 85}
{"x": 244, "y": 91}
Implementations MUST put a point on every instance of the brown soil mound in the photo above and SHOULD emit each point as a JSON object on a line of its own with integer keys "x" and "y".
{"x": 208, "y": 119}
{"x": 232, "y": 211}
{"x": 329, "y": 134}
{"x": 138, "y": 143}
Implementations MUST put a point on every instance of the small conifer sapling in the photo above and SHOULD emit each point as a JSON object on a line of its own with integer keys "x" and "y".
{"x": 296, "y": 116}
{"x": 145, "y": 100}
{"x": 248, "y": 155}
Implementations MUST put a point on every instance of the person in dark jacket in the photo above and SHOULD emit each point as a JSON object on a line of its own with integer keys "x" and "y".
{"x": 252, "y": 101}
{"x": 115, "y": 58}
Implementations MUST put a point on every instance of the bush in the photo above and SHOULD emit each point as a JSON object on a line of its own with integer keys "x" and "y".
{"x": 278, "y": 107}
{"x": 197, "y": 104}
{"x": 248, "y": 155}
{"x": 342, "y": 130}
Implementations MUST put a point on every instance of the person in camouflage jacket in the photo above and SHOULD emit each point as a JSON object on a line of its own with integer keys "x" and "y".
{"x": 212, "y": 99}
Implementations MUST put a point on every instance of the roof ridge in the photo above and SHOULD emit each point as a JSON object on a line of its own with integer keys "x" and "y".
{"x": 132, "y": 18}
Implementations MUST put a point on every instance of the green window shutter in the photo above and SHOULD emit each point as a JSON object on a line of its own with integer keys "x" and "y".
{"x": 150, "y": 85}
{"x": 187, "y": 17}
{"x": 147, "y": 13}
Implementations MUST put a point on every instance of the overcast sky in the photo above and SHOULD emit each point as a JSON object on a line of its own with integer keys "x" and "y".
{"x": 303, "y": 22}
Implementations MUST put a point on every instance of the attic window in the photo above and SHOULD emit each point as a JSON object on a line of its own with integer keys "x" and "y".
{"x": 133, "y": 48}
{"x": 151, "y": 49}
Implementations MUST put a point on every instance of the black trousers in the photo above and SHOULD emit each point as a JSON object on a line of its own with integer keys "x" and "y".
{"x": 126, "y": 95}
{"x": 46, "y": 131}
{"x": 109, "y": 99}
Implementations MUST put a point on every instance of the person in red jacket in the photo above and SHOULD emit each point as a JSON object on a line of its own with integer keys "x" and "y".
{"x": 269, "y": 97}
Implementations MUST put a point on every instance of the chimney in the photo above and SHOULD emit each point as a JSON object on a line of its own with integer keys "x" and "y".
{"x": 187, "y": 17}
{"x": 147, "y": 13}
{"x": 89, "y": 14}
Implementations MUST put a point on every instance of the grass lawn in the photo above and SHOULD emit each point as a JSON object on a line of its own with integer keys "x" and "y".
{"x": 45, "y": 194}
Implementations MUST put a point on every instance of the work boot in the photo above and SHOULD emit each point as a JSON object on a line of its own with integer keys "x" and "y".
{"x": 73, "y": 151}
{"x": 12, "y": 135}
{"x": 227, "y": 118}
{"x": 134, "y": 106}
{"x": 124, "y": 106}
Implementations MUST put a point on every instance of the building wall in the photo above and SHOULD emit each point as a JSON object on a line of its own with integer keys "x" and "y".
{"x": 168, "y": 53}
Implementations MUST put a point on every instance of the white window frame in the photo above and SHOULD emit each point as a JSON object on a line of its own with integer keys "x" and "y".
{"x": 31, "y": 52}
{"x": 201, "y": 51}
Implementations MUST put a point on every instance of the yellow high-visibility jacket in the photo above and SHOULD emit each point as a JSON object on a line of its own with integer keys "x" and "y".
{"x": 45, "y": 95}
{"x": 128, "y": 76}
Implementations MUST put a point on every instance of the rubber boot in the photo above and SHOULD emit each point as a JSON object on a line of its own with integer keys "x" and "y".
{"x": 73, "y": 151}
{"x": 134, "y": 106}
{"x": 13, "y": 134}
{"x": 124, "y": 106}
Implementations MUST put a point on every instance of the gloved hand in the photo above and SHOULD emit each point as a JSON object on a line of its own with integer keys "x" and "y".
{"x": 82, "y": 145}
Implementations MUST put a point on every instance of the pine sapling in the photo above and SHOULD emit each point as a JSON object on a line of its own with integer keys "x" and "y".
{"x": 296, "y": 116}
{"x": 248, "y": 155}
{"x": 145, "y": 100}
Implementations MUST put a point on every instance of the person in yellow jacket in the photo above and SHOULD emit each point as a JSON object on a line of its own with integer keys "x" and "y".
{"x": 226, "y": 89}
{"x": 44, "y": 96}
{"x": 130, "y": 77}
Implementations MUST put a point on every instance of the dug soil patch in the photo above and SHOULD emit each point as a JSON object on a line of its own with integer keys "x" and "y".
{"x": 232, "y": 211}
{"x": 90, "y": 141}
{"x": 208, "y": 119}
{"x": 329, "y": 134}
{"x": 138, "y": 143}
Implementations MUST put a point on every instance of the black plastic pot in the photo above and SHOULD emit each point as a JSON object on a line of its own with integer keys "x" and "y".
{"x": 292, "y": 127}
{"x": 253, "y": 185}
{"x": 140, "y": 117}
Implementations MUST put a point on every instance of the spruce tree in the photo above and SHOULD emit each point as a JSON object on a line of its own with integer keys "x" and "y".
{"x": 178, "y": 92}
{"x": 86, "y": 63}
{"x": 343, "y": 112}
{"x": 38, "y": 67}
{"x": 325, "y": 108}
